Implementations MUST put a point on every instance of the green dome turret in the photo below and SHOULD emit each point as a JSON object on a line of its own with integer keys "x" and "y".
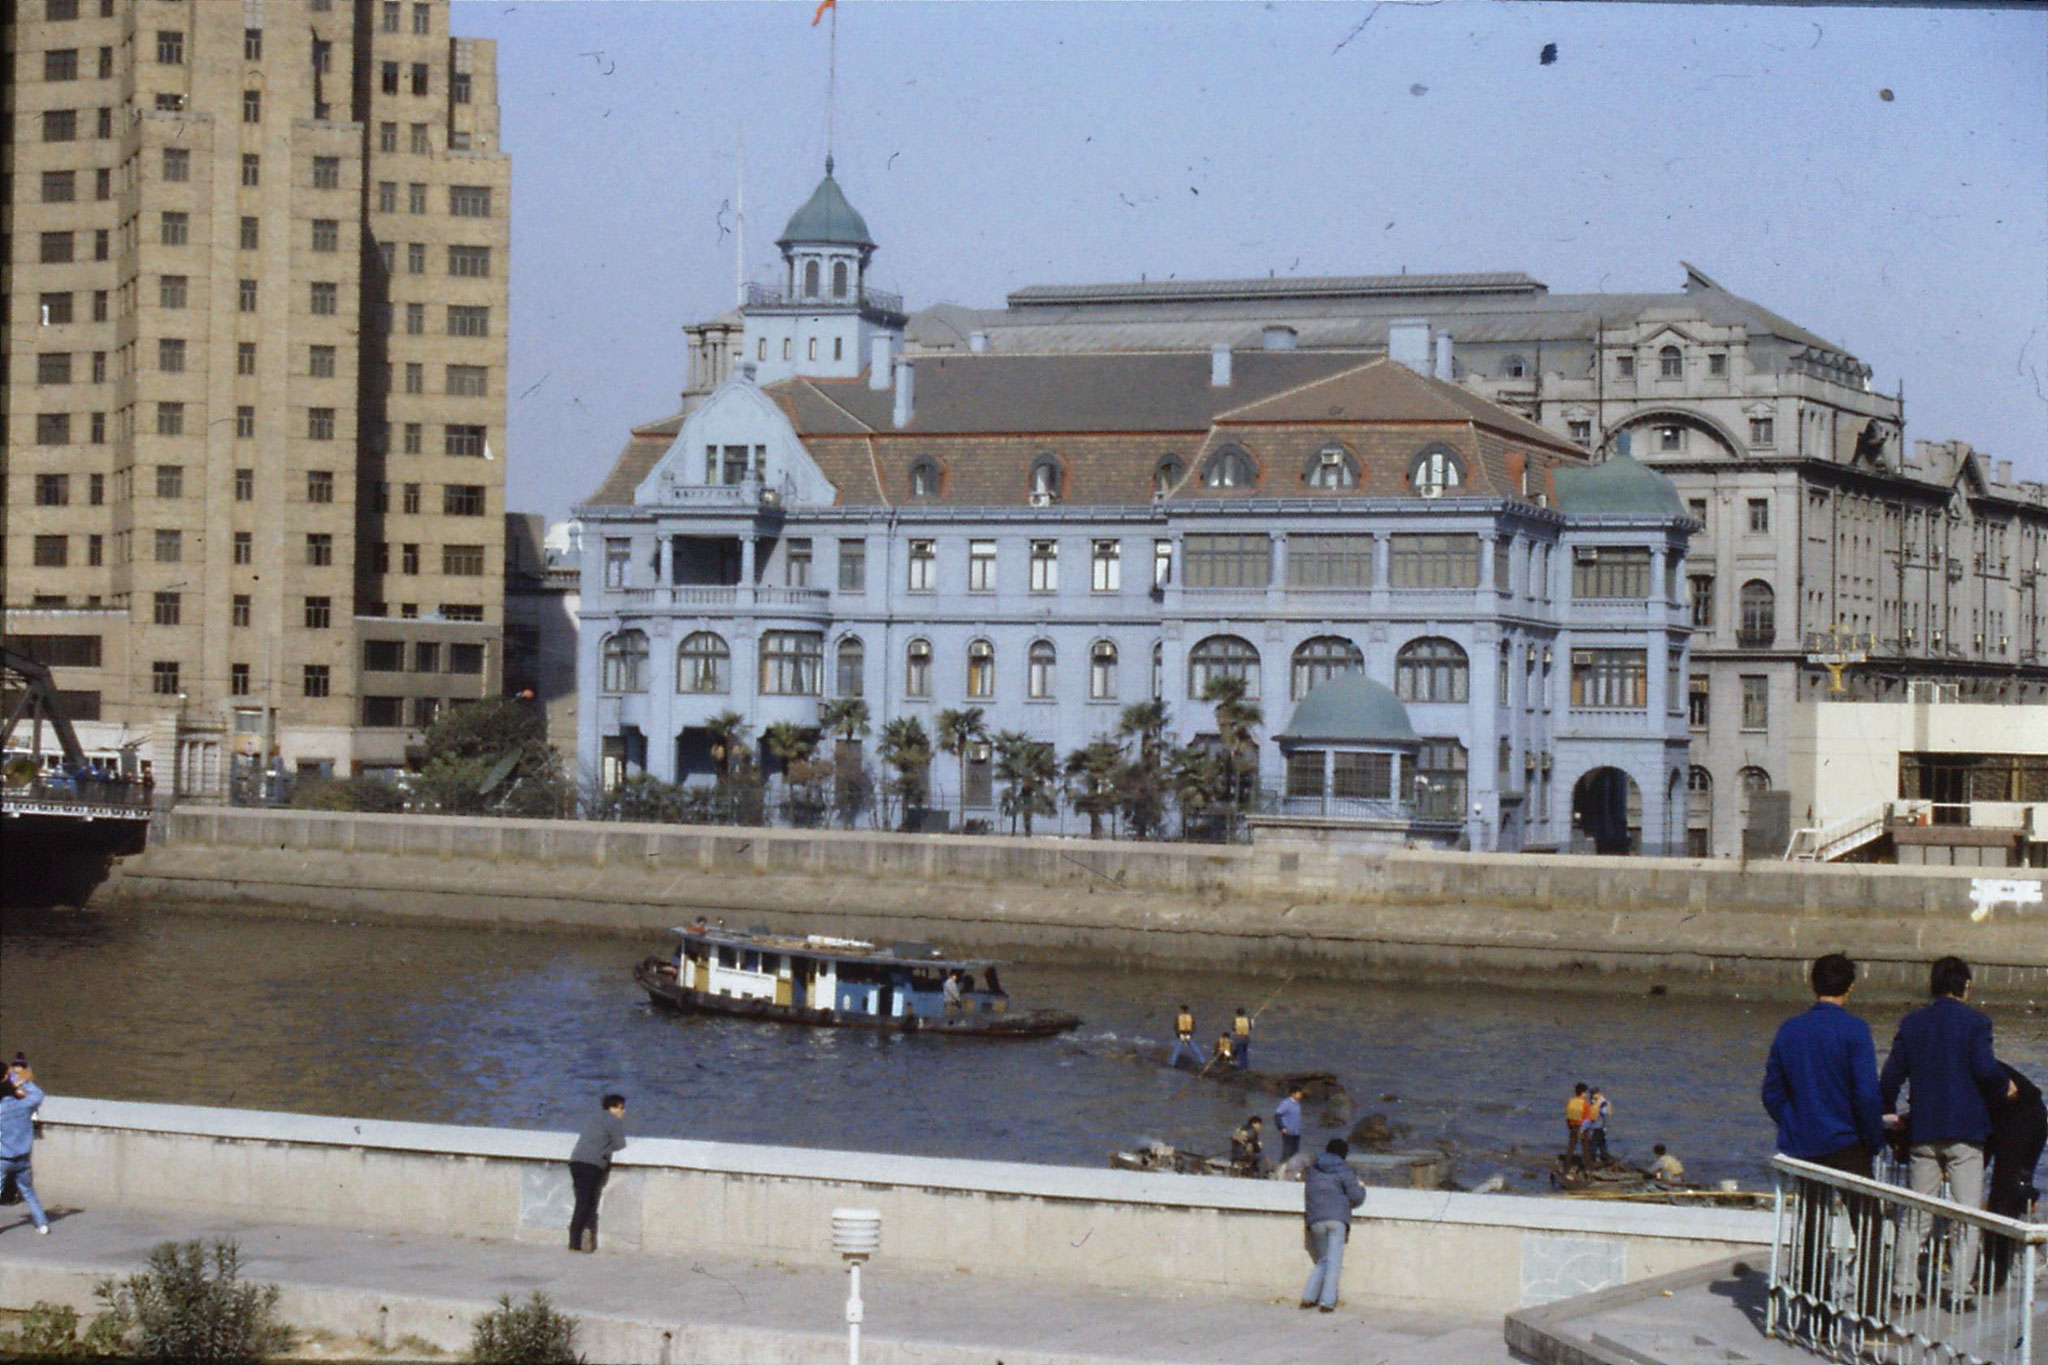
{"x": 826, "y": 219}
{"x": 1351, "y": 709}
{"x": 1619, "y": 486}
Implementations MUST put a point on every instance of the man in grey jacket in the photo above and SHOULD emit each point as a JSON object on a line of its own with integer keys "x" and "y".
{"x": 1330, "y": 1191}
{"x": 589, "y": 1166}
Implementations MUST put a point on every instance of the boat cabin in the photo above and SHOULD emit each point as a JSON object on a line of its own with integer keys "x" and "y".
{"x": 819, "y": 972}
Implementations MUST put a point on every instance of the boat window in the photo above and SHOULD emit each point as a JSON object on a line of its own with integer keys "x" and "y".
{"x": 753, "y": 962}
{"x": 727, "y": 957}
{"x": 771, "y": 962}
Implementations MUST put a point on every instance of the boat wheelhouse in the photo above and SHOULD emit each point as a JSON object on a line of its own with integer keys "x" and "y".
{"x": 821, "y": 980}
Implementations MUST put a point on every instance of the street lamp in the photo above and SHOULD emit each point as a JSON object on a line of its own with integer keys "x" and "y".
{"x": 856, "y": 1235}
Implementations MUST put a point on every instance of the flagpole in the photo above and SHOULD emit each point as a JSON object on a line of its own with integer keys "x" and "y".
{"x": 739, "y": 245}
{"x": 831, "y": 81}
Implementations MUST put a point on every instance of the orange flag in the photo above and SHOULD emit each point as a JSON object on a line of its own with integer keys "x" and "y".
{"x": 823, "y": 5}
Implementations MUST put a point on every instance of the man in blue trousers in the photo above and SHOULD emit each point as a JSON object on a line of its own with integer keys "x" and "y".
{"x": 1943, "y": 1052}
{"x": 20, "y": 1097}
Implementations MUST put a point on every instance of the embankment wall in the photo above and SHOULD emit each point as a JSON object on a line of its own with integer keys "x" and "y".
{"x": 1107, "y": 1229}
{"x": 1689, "y": 924}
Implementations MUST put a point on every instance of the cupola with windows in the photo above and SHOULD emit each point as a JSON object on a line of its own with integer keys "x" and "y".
{"x": 826, "y": 247}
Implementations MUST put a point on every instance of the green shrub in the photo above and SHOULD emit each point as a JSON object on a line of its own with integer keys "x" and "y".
{"x": 191, "y": 1304}
{"x": 529, "y": 1333}
{"x": 49, "y": 1331}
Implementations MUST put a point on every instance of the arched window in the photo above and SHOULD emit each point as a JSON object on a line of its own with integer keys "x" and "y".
{"x": 1759, "y": 627}
{"x": 1321, "y": 659}
{"x": 1229, "y": 467}
{"x": 924, "y": 478}
{"x": 1223, "y": 656}
{"x": 1753, "y": 780}
{"x": 1699, "y": 780}
{"x": 838, "y": 279}
{"x": 625, "y": 662}
{"x": 1331, "y": 467}
{"x": 917, "y": 669}
{"x": 1514, "y": 367}
{"x": 1434, "y": 470}
{"x": 1166, "y": 475}
{"x": 851, "y": 669}
{"x": 1102, "y": 671}
{"x": 1670, "y": 363}
{"x": 792, "y": 663}
{"x": 1042, "y": 672}
{"x": 1431, "y": 669}
{"x": 1046, "y": 478}
{"x": 981, "y": 669}
{"x": 810, "y": 279}
{"x": 703, "y": 664}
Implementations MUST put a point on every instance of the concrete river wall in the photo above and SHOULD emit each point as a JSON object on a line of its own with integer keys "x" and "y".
{"x": 1690, "y": 924}
{"x": 1485, "y": 1253}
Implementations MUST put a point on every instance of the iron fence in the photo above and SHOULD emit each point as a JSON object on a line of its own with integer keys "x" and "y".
{"x": 1862, "y": 1269}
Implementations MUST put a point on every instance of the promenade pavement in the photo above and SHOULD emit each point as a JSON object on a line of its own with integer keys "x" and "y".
{"x": 411, "y": 1292}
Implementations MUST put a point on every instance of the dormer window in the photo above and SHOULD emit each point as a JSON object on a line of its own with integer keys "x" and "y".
{"x": 1435, "y": 470}
{"x": 838, "y": 279}
{"x": 1045, "y": 481}
{"x": 924, "y": 478}
{"x": 1166, "y": 475}
{"x": 1332, "y": 467}
{"x": 810, "y": 279}
{"x": 1229, "y": 467}
{"x": 1514, "y": 367}
{"x": 1670, "y": 363}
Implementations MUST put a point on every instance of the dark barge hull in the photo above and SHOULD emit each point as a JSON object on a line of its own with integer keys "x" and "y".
{"x": 665, "y": 993}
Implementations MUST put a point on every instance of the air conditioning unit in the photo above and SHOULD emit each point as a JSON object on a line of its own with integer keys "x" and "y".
{"x": 1934, "y": 640}
{"x": 1431, "y": 490}
{"x": 1977, "y": 640}
{"x": 2004, "y": 643}
{"x": 1042, "y": 499}
{"x": 1587, "y": 554}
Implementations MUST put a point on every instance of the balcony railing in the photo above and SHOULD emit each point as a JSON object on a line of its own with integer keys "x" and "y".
{"x": 773, "y": 296}
{"x": 1755, "y": 639}
{"x": 722, "y": 597}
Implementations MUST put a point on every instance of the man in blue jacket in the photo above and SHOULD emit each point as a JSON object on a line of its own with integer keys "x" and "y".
{"x": 1330, "y": 1191}
{"x": 1943, "y": 1052}
{"x": 1820, "y": 1088}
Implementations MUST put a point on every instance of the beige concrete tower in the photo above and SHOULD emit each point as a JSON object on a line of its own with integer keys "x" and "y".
{"x": 255, "y": 373}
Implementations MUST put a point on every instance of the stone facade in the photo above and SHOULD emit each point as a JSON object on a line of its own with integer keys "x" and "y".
{"x": 1817, "y": 517}
{"x": 1052, "y": 538}
{"x": 255, "y": 374}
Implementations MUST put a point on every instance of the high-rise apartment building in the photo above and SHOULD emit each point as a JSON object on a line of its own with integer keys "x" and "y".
{"x": 255, "y": 370}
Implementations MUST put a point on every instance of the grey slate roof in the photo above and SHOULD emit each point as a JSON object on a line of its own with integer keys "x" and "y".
{"x": 1343, "y": 312}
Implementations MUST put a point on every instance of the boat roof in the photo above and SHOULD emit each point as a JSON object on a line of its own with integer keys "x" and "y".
{"x": 836, "y": 949}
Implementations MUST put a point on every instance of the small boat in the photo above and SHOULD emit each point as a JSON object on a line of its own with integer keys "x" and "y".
{"x": 831, "y": 982}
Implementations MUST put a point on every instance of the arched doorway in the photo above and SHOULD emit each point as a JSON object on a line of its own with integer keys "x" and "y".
{"x": 1607, "y": 811}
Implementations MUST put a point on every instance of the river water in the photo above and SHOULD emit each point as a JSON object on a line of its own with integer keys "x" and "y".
{"x": 525, "y": 1030}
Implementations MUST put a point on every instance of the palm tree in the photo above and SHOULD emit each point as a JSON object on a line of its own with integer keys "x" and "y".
{"x": 957, "y": 732}
{"x": 789, "y": 742}
{"x": 1028, "y": 769}
{"x": 846, "y": 719}
{"x": 1142, "y": 782}
{"x": 1236, "y": 718}
{"x": 907, "y": 749}
{"x": 1092, "y": 776}
{"x": 728, "y": 733}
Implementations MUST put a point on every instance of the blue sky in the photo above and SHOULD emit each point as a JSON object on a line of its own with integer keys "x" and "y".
{"x": 994, "y": 144}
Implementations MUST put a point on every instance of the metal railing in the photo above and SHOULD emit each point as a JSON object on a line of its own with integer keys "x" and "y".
{"x": 1823, "y": 843}
{"x": 1856, "y": 1275}
{"x": 774, "y": 296}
